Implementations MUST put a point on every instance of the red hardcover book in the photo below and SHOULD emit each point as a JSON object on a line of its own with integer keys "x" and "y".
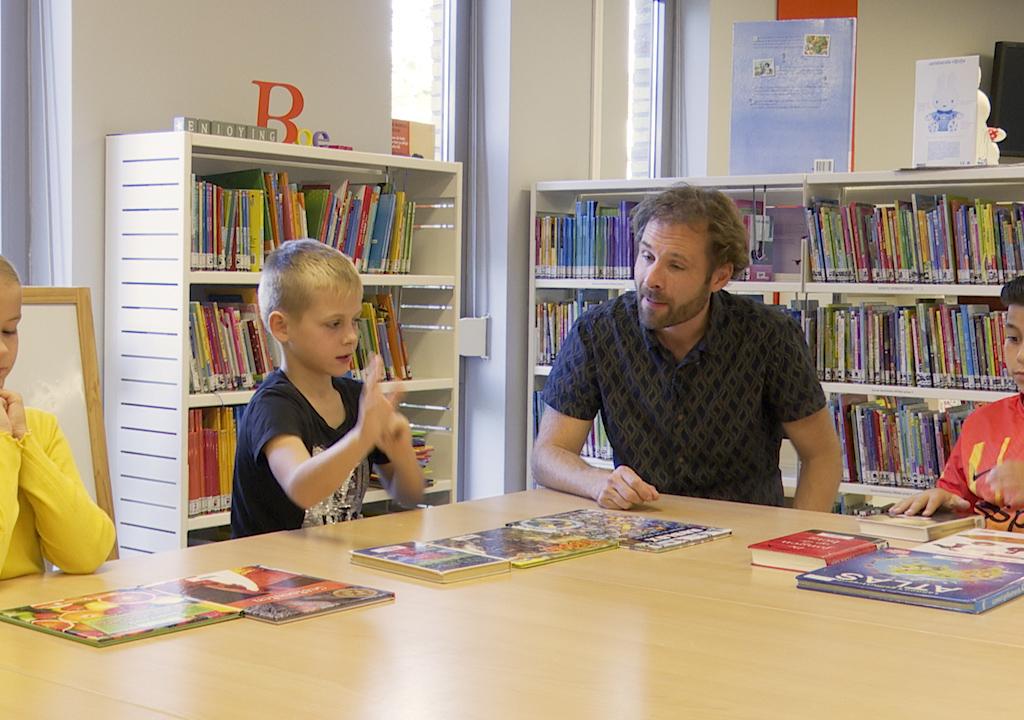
{"x": 812, "y": 549}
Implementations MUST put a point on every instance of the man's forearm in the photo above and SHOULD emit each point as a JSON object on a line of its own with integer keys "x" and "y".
{"x": 562, "y": 470}
{"x": 818, "y": 483}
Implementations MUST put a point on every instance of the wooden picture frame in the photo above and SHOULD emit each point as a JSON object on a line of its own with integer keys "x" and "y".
{"x": 57, "y": 371}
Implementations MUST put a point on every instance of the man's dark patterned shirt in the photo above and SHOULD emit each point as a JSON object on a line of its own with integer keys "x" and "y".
{"x": 708, "y": 426}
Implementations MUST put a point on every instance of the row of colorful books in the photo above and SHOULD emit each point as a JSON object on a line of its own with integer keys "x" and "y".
{"x": 380, "y": 333}
{"x": 927, "y": 239}
{"x": 959, "y": 566}
{"x": 229, "y": 348}
{"x": 553, "y": 320}
{"x": 924, "y": 345}
{"x": 597, "y": 444}
{"x": 212, "y": 440}
{"x": 594, "y": 242}
{"x": 239, "y": 217}
{"x": 895, "y": 441}
{"x": 532, "y": 542}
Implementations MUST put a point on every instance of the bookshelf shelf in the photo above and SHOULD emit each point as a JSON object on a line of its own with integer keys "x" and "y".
{"x": 915, "y": 392}
{"x": 149, "y": 286}
{"x": 1002, "y": 184}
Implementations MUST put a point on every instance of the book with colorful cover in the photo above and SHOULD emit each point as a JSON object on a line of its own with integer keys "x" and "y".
{"x": 950, "y": 583}
{"x": 117, "y": 616}
{"x": 526, "y": 548}
{"x": 275, "y": 596}
{"x": 632, "y": 530}
{"x": 429, "y": 562}
{"x": 979, "y": 543}
{"x": 917, "y": 527}
{"x": 812, "y": 549}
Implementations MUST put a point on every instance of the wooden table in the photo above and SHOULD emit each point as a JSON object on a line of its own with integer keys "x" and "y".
{"x": 695, "y": 633}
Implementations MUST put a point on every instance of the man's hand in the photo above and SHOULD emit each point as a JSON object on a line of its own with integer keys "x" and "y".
{"x": 624, "y": 489}
{"x": 1003, "y": 485}
{"x": 13, "y": 412}
{"x": 927, "y": 502}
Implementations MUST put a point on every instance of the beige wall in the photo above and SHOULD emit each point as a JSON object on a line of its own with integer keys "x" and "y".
{"x": 891, "y": 36}
{"x": 137, "y": 64}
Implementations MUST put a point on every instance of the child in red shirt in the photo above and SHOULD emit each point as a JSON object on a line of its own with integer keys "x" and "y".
{"x": 985, "y": 471}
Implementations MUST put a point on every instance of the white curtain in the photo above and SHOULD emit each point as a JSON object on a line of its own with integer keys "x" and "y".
{"x": 49, "y": 247}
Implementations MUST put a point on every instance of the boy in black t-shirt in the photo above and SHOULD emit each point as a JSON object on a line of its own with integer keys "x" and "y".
{"x": 308, "y": 436}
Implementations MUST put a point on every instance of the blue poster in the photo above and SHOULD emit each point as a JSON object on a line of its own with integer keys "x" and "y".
{"x": 792, "y": 96}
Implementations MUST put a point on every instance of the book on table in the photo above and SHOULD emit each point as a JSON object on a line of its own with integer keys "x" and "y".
{"x": 526, "y": 548}
{"x": 429, "y": 562}
{"x": 950, "y": 583}
{"x": 275, "y": 596}
{"x": 116, "y": 616}
{"x": 811, "y": 549}
{"x": 917, "y": 527}
{"x": 979, "y": 543}
{"x": 634, "y": 531}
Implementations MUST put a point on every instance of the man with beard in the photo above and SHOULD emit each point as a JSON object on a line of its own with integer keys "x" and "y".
{"x": 696, "y": 387}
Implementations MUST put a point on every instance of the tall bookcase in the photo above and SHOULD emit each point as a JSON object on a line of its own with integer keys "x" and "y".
{"x": 149, "y": 285}
{"x": 999, "y": 184}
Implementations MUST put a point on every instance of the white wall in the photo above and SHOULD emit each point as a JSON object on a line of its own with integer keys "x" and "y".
{"x": 138, "y": 64}
{"x": 891, "y": 36}
{"x": 536, "y": 123}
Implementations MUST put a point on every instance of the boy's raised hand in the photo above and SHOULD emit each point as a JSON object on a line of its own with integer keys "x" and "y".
{"x": 375, "y": 408}
{"x": 927, "y": 502}
{"x": 1003, "y": 485}
{"x": 12, "y": 414}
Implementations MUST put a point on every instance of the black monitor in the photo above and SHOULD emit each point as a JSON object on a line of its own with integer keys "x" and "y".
{"x": 1007, "y": 96}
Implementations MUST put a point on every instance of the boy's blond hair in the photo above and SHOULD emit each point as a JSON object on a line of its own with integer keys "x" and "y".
{"x": 298, "y": 269}
{"x": 7, "y": 272}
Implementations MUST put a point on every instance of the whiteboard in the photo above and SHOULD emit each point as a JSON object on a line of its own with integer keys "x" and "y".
{"x": 56, "y": 371}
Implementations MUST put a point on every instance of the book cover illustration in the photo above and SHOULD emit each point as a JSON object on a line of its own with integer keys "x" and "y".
{"x": 429, "y": 561}
{"x": 961, "y": 584}
{"x": 979, "y": 543}
{"x": 117, "y": 616}
{"x": 792, "y": 96}
{"x": 811, "y": 549}
{"x": 632, "y": 530}
{"x": 275, "y": 596}
{"x": 526, "y": 548}
{"x": 945, "y": 111}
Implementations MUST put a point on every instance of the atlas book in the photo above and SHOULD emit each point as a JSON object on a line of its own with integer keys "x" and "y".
{"x": 979, "y": 543}
{"x": 965, "y": 585}
{"x": 526, "y": 548}
{"x": 118, "y": 616}
{"x": 632, "y": 530}
{"x": 918, "y": 528}
{"x": 275, "y": 596}
{"x": 812, "y": 549}
{"x": 429, "y": 562}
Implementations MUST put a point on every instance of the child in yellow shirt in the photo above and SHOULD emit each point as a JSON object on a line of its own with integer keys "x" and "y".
{"x": 45, "y": 511}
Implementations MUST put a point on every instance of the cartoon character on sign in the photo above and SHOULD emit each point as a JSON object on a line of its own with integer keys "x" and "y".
{"x": 944, "y": 118}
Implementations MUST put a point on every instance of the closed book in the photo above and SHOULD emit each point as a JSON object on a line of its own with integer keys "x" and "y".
{"x": 979, "y": 543}
{"x": 429, "y": 562}
{"x": 117, "y": 616}
{"x": 811, "y": 549}
{"x": 632, "y": 530}
{"x": 949, "y": 583}
{"x": 275, "y": 596}
{"x": 526, "y": 548}
{"x": 917, "y": 527}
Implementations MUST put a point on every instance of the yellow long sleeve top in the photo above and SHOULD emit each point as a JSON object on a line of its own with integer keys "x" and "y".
{"x": 45, "y": 511}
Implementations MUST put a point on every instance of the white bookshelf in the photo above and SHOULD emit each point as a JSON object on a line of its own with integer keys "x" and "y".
{"x": 149, "y": 285}
{"x": 1000, "y": 184}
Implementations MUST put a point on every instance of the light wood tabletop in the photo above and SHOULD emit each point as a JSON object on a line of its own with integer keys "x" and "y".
{"x": 696, "y": 632}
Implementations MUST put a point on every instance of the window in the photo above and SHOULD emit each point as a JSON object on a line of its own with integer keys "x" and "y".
{"x": 420, "y": 65}
{"x": 646, "y": 23}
